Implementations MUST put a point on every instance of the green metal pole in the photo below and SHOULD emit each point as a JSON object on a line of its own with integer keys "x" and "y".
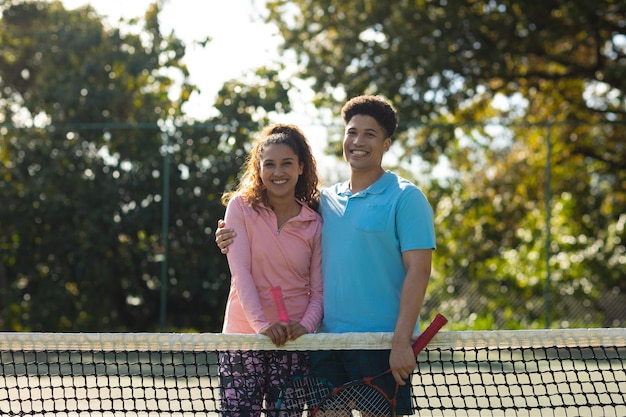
{"x": 548, "y": 200}
{"x": 165, "y": 230}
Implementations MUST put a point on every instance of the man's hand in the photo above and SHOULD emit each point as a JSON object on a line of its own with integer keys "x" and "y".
{"x": 223, "y": 236}
{"x": 402, "y": 362}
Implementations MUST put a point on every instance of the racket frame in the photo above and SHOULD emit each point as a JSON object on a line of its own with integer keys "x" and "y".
{"x": 420, "y": 343}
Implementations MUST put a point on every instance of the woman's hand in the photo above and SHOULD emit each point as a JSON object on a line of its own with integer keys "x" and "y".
{"x": 281, "y": 332}
{"x": 278, "y": 333}
{"x": 295, "y": 330}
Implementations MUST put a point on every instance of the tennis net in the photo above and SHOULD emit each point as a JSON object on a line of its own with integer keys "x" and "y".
{"x": 560, "y": 372}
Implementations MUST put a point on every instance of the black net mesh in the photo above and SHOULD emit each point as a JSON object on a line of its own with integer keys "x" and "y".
{"x": 530, "y": 373}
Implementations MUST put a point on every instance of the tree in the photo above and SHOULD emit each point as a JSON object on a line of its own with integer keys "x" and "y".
{"x": 211, "y": 153}
{"x": 70, "y": 210}
{"x": 454, "y": 70}
{"x": 432, "y": 58}
{"x": 88, "y": 122}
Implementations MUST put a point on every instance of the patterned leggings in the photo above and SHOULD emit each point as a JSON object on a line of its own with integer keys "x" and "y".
{"x": 250, "y": 381}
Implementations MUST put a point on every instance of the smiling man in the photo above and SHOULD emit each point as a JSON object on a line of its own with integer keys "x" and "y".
{"x": 377, "y": 242}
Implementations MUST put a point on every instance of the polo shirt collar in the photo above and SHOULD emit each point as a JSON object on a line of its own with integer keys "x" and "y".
{"x": 376, "y": 188}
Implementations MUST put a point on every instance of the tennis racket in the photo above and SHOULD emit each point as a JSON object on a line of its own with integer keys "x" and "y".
{"x": 279, "y": 303}
{"x": 367, "y": 397}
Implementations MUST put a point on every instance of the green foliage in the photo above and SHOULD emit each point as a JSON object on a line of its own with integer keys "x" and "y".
{"x": 435, "y": 59}
{"x": 88, "y": 121}
{"x": 483, "y": 86}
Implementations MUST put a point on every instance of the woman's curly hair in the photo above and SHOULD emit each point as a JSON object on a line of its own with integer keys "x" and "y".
{"x": 251, "y": 187}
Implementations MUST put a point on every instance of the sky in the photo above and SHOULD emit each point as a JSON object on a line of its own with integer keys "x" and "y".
{"x": 236, "y": 32}
{"x": 240, "y": 41}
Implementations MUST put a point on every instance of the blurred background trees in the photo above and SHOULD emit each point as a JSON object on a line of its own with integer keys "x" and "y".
{"x": 88, "y": 120}
{"x": 482, "y": 89}
{"x": 512, "y": 118}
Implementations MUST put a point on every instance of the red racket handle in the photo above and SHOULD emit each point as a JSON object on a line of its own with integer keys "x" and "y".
{"x": 427, "y": 335}
{"x": 279, "y": 303}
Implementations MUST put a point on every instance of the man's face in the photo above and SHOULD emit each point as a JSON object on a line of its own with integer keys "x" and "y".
{"x": 364, "y": 143}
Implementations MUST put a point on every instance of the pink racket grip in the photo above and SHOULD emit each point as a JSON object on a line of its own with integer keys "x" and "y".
{"x": 279, "y": 302}
{"x": 427, "y": 335}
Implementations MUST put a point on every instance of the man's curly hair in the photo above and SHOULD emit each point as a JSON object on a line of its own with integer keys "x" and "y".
{"x": 373, "y": 106}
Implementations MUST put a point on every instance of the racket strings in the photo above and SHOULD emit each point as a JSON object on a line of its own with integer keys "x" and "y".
{"x": 365, "y": 398}
{"x": 304, "y": 393}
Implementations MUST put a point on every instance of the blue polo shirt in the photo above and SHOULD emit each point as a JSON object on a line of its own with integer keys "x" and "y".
{"x": 363, "y": 237}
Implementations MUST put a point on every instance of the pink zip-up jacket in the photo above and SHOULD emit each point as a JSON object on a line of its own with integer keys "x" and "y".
{"x": 262, "y": 257}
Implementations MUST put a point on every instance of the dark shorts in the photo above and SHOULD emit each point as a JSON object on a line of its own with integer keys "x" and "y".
{"x": 342, "y": 366}
{"x": 250, "y": 381}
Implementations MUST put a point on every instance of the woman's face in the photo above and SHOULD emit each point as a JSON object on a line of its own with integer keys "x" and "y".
{"x": 279, "y": 170}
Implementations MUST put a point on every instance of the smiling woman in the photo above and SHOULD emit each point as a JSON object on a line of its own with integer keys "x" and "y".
{"x": 279, "y": 245}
